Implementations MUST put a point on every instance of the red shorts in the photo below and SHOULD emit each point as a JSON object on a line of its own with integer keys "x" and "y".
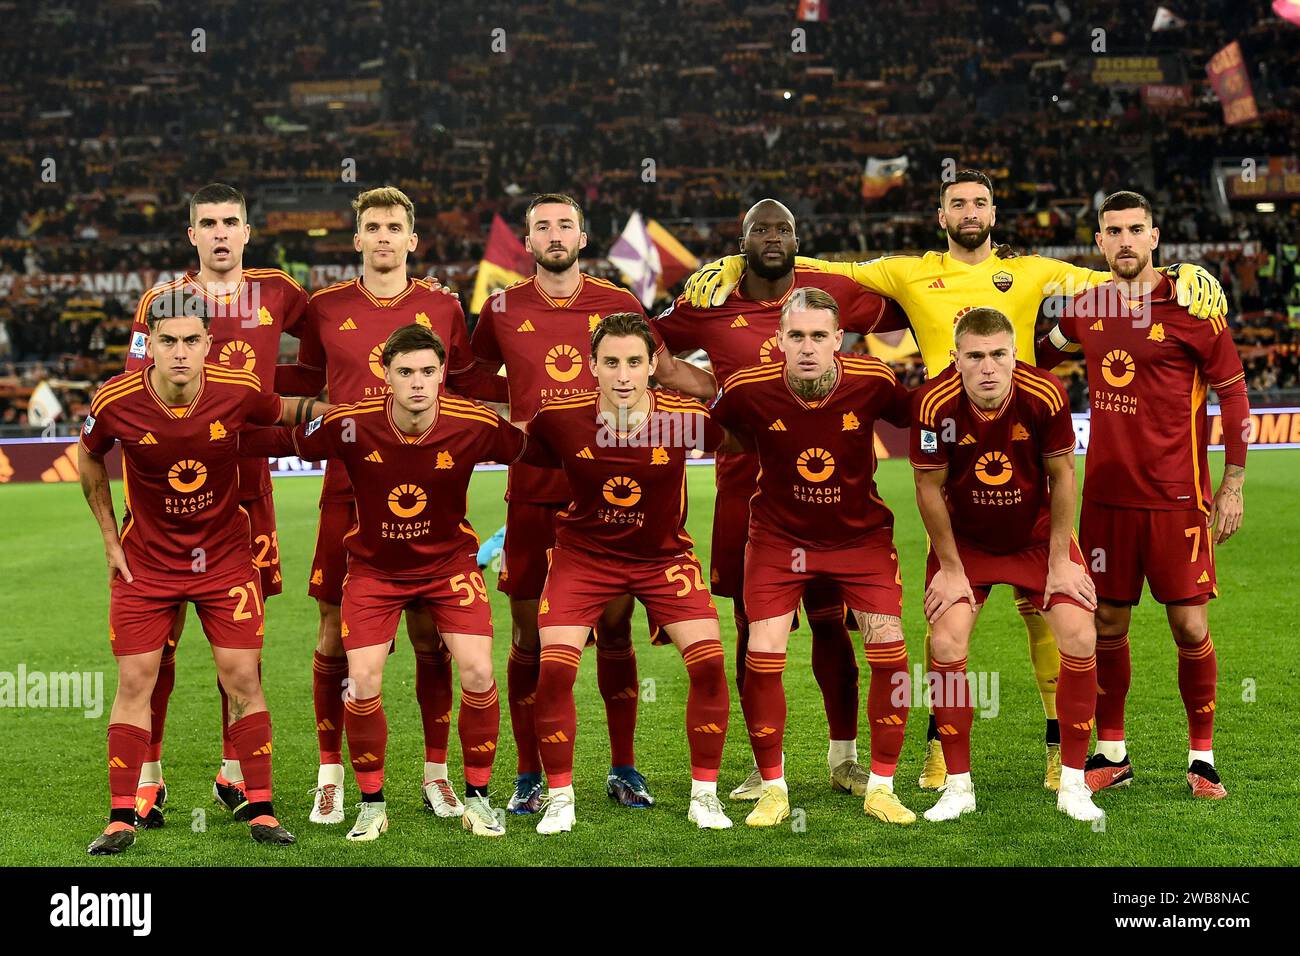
{"x": 372, "y": 607}
{"x": 580, "y": 584}
{"x": 329, "y": 566}
{"x": 1172, "y": 550}
{"x": 737, "y": 479}
{"x": 1026, "y": 571}
{"x": 530, "y": 535}
{"x": 867, "y": 576}
{"x": 229, "y": 603}
{"x": 266, "y": 543}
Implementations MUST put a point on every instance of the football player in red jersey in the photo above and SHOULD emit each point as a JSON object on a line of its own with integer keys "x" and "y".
{"x": 816, "y": 516}
{"x": 1149, "y": 366}
{"x": 539, "y": 329}
{"x": 739, "y": 333}
{"x": 624, "y": 449}
{"x": 993, "y": 449}
{"x": 410, "y": 455}
{"x": 341, "y": 346}
{"x": 248, "y": 309}
{"x": 184, "y": 538}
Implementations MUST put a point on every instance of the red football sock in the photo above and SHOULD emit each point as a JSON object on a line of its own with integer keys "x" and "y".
{"x": 887, "y": 704}
{"x": 834, "y": 661}
{"x": 367, "y": 740}
{"x": 327, "y": 675}
{"x": 1076, "y": 703}
{"x": 1114, "y": 673}
{"x": 252, "y": 739}
{"x": 521, "y": 693}
{"x": 557, "y": 715}
{"x": 478, "y": 726}
{"x": 162, "y": 692}
{"x": 433, "y": 693}
{"x": 764, "y": 706}
{"x": 617, "y": 678}
{"x": 954, "y": 712}
{"x": 742, "y": 645}
{"x": 708, "y": 704}
{"x": 127, "y": 744}
{"x": 1198, "y": 671}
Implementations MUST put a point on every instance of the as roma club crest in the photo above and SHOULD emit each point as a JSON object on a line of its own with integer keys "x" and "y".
{"x": 1002, "y": 281}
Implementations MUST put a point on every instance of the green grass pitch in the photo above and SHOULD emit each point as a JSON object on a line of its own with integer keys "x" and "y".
{"x": 53, "y": 617}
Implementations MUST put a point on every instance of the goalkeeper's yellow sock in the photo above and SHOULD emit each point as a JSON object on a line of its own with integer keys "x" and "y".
{"x": 1046, "y": 660}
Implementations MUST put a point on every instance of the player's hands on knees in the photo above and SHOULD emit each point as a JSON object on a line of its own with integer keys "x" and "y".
{"x": 116, "y": 558}
{"x": 1071, "y": 580}
{"x": 1225, "y": 516}
{"x": 946, "y": 588}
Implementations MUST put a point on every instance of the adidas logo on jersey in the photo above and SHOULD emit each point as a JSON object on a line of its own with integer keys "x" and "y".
{"x": 1204, "y": 578}
{"x": 936, "y": 284}
{"x": 526, "y": 327}
{"x": 586, "y": 453}
{"x": 148, "y": 439}
{"x": 739, "y": 322}
{"x": 1019, "y": 433}
{"x": 1096, "y": 326}
{"x": 968, "y": 440}
{"x": 348, "y": 326}
{"x": 374, "y": 456}
{"x": 777, "y": 426}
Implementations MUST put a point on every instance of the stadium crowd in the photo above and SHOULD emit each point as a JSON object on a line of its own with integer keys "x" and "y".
{"x": 104, "y": 133}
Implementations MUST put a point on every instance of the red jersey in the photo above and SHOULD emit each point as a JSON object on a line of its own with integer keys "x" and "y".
{"x": 629, "y": 491}
{"x": 997, "y": 484}
{"x": 344, "y": 334}
{"x": 816, "y": 481}
{"x": 1148, "y": 368}
{"x": 246, "y": 326}
{"x": 409, "y": 490}
{"x": 742, "y": 332}
{"x": 544, "y": 343}
{"x": 180, "y": 467}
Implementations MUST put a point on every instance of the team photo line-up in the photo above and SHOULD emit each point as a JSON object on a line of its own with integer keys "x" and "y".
{"x": 596, "y": 504}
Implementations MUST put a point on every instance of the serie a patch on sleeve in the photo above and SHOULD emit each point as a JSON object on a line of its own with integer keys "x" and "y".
{"x": 929, "y": 442}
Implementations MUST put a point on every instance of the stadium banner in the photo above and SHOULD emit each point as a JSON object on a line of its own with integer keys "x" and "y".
{"x": 1166, "y": 69}
{"x": 303, "y": 220}
{"x": 1283, "y": 184}
{"x": 1161, "y": 96}
{"x": 54, "y": 460}
{"x": 1169, "y": 251}
{"x": 336, "y": 94}
{"x": 1231, "y": 82}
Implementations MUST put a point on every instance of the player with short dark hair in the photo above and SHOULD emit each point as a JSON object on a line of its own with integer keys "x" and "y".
{"x": 816, "y": 516}
{"x": 184, "y": 538}
{"x": 1150, "y": 365}
{"x": 409, "y": 453}
{"x": 993, "y": 450}
{"x": 539, "y": 329}
{"x": 624, "y": 448}
{"x": 344, "y": 332}
{"x": 247, "y": 310}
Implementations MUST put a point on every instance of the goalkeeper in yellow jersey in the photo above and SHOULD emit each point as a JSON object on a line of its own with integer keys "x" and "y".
{"x": 935, "y": 290}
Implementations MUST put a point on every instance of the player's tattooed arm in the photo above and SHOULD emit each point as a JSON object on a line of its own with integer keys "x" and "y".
{"x": 949, "y": 585}
{"x": 879, "y": 628}
{"x": 95, "y": 486}
{"x": 1064, "y": 576}
{"x": 681, "y": 376}
{"x": 295, "y": 411}
{"x": 1229, "y": 504}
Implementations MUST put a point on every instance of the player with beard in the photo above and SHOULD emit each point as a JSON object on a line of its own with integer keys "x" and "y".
{"x": 540, "y": 329}
{"x": 743, "y": 332}
{"x": 936, "y": 290}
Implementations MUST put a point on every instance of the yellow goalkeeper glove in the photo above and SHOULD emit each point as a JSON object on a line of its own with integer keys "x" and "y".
{"x": 711, "y": 285}
{"x": 1198, "y": 291}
